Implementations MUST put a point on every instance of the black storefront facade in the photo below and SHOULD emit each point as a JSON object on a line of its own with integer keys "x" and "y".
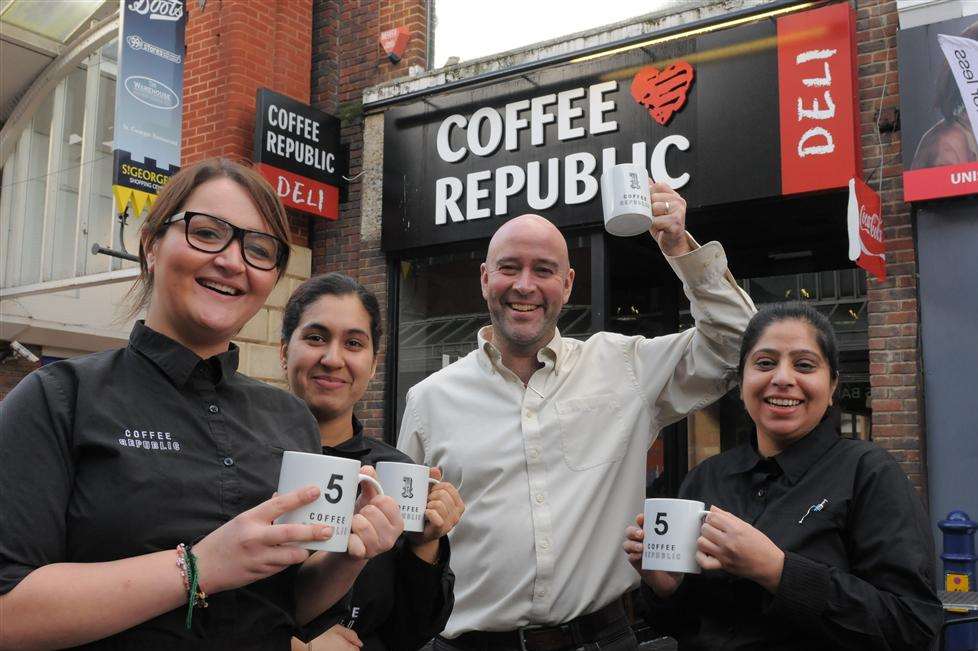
{"x": 752, "y": 119}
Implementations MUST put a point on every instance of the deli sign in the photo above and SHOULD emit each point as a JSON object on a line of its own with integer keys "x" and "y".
{"x": 296, "y": 150}
{"x": 748, "y": 112}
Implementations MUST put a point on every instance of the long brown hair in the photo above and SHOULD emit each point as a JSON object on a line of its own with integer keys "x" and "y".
{"x": 175, "y": 193}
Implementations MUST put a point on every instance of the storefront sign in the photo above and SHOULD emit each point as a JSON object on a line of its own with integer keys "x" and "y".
{"x": 711, "y": 115}
{"x": 296, "y": 150}
{"x": 939, "y": 108}
{"x": 817, "y": 86}
{"x": 149, "y": 100}
{"x": 865, "y": 224}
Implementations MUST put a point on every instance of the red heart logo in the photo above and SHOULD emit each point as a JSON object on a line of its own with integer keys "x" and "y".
{"x": 664, "y": 92}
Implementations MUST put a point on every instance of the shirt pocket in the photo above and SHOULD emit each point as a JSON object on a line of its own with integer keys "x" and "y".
{"x": 591, "y": 431}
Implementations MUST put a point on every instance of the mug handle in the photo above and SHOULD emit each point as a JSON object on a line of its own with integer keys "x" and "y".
{"x": 433, "y": 482}
{"x": 368, "y": 478}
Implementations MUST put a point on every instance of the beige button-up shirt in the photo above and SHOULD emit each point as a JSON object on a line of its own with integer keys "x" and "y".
{"x": 553, "y": 472}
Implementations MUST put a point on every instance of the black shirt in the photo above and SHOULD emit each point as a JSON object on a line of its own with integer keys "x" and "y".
{"x": 398, "y": 601}
{"x": 858, "y": 568}
{"x": 132, "y": 451}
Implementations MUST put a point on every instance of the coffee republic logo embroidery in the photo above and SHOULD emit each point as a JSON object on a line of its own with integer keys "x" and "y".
{"x": 407, "y": 491}
{"x": 150, "y": 440}
{"x": 663, "y": 92}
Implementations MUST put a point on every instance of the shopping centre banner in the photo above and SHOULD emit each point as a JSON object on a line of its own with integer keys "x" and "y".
{"x": 744, "y": 112}
{"x": 148, "y": 100}
{"x": 939, "y": 108}
{"x": 297, "y": 150}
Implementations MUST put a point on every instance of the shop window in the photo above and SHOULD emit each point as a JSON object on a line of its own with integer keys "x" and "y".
{"x": 101, "y": 210}
{"x": 56, "y": 198}
{"x": 24, "y": 186}
{"x": 441, "y": 309}
{"x": 60, "y": 263}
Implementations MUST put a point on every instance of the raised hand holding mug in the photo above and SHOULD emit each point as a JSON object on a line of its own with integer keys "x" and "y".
{"x": 337, "y": 479}
{"x": 408, "y": 484}
{"x": 672, "y": 527}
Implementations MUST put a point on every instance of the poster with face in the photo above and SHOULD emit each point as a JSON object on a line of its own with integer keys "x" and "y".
{"x": 938, "y": 66}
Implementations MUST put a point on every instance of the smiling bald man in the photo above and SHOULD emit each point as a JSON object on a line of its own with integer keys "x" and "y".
{"x": 546, "y": 436}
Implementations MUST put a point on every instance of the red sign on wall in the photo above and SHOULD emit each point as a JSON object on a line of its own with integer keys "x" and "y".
{"x": 865, "y": 222}
{"x": 818, "y": 99}
{"x": 303, "y": 193}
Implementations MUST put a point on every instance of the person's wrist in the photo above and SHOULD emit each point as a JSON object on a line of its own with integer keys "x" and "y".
{"x": 207, "y": 577}
{"x": 674, "y": 248}
{"x": 426, "y": 550}
{"x": 769, "y": 576}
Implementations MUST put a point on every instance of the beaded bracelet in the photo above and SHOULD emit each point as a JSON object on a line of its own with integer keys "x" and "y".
{"x": 196, "y": 597}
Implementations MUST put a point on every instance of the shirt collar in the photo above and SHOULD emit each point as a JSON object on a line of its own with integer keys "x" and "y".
{"x": 353, "y": 448}
{"x": 795, "y": 460}
{"x": 177, "y": 361}
{"x": 549, "y": 355}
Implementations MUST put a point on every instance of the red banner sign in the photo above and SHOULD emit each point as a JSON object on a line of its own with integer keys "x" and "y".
{"x": 818, "y": 99}
{"x": 865, "y": 222}
{"x": 303, "y": 193}
{"x": 943, "y": 181}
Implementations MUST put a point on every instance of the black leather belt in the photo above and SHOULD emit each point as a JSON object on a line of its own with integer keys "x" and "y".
{"x": 578, "y": 631}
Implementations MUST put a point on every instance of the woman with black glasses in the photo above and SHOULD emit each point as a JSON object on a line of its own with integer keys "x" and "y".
{"x": 136, "y": 485}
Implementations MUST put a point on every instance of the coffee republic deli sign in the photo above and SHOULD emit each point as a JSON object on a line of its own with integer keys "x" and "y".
{"x": 749, "y": 112}
{"x": 297, "y": 150}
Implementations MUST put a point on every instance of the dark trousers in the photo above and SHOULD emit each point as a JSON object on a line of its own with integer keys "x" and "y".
{"x": 617, "y": 636}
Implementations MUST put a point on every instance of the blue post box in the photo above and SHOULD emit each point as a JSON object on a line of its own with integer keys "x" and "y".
{"x": 959, "y": 573}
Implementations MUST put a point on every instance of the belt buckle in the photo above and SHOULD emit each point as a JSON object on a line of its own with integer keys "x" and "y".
{"x": 520, "y": 635}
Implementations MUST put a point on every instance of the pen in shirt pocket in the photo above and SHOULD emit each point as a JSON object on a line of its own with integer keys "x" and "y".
{"x": 814, "y": 508}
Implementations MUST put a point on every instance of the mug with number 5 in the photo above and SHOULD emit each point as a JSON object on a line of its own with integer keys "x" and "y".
{"x": 671, "y": 529}
{"x": 337, "y": 479}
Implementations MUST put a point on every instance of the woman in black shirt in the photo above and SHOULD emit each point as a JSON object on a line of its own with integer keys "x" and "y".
{"x": 812, "y": 541}
{"x": 108, "y": 462}
{"x": 330, "y": 335}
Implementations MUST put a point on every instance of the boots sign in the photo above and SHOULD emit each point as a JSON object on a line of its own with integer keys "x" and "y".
{"x": 296, "y": 149}
{"x": 711, "y": 115}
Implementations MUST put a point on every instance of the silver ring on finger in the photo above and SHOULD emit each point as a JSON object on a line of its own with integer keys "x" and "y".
{"x": 667, "y": 207}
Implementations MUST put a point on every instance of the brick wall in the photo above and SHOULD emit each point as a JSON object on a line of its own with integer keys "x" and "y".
{"x": 894, "y": 345}
{"x": 235, "y": 47}
{"x": 347, "y": 57}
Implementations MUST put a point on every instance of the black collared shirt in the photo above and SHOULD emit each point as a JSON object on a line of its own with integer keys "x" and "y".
{"x": 858, "y": 568}
{"x": 132, "y": 451}
{"x": 398, "y": 601}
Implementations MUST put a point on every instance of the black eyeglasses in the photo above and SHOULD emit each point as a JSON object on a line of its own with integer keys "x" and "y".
{"x": 212, "y": 235}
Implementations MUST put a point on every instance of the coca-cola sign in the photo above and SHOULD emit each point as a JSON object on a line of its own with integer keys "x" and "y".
{"x": 171, "y": 10}
{"x": 865, "y": 222}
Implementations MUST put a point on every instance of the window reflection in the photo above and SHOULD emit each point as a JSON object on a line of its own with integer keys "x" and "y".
{"x": 65, "y": 217}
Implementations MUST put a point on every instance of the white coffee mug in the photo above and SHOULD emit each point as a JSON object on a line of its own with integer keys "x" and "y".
{"x": 337, "y": 479}
{"x": 671, "y": 529}
{"x": 408, "y": 484}
{"x": 625, "y": 200}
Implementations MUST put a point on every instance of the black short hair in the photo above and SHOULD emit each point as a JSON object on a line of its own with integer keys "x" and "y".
{"x": 777, "y": 312}
{"x": 331, "y": 284}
